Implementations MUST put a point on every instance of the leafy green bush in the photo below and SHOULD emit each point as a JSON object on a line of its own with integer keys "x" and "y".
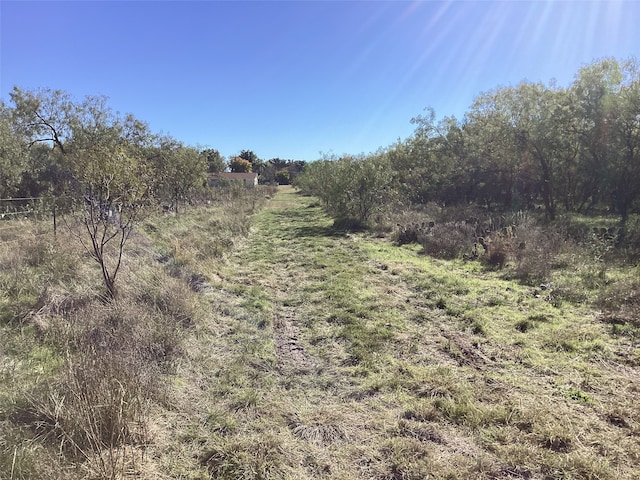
{"x": 351, "y": 189}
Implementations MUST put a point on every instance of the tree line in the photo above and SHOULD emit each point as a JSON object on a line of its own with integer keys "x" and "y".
{"x": 52, "y": 145}
{"x": 273, "y": 171}
{"x": 102, "y": 168}
{"x": 559, "y": 149}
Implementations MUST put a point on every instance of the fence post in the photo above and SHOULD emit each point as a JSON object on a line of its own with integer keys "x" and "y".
{"x": 55, "y": 224}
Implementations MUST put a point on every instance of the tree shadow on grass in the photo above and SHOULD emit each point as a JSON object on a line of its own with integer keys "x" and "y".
{"x": 304, "y": 223}
{"x": 317, "y": 231}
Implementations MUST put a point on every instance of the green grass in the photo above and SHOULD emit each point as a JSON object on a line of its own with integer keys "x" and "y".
{"x": 445, "y": 346}
{"x": 317, "y": 353}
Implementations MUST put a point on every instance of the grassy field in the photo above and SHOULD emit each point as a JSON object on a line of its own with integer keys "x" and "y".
{"x": 311, "y": 353}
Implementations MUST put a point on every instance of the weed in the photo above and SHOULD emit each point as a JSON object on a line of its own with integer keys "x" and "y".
{"x": 247, "y": 399}
{"x": 577, "y": 395}
{"x": 319, "y": 427}
{"x": 406, "y": 458}
{"x": 259, "y": 458}
{"x": 441, "y": 303}
{"x": 221, "y": 423}
{"x": 523, "y": 325}
{"x": 478, "y": 328}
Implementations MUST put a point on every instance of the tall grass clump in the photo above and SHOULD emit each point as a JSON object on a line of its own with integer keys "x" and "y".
{"x": 84, "y": 371}
{"x": 95, "y": 409}
{"x": 260, "y": 458}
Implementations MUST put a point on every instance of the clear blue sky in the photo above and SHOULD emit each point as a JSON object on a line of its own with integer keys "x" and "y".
{"x": 293, "y": 79}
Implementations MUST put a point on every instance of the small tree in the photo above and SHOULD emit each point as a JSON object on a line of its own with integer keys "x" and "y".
{"x": 215, "y": 161}
{"x": 352, "y": 189}
{"x": 240, "y": 165}
{"x": 110, "y": 208}
{"x": 253, "y": 159}
{"x": 178, "y": 170}
{"x": 111, "y": 184}
{"x": 371, "y": 189}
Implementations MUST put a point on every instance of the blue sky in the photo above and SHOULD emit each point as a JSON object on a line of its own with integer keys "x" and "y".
{"x": 297, "y": 78}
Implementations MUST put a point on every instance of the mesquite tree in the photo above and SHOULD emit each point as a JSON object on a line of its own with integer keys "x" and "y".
{"x": 108, "y": 210}
{"x": 106, "y": 175}
{"x": 111, "y": 183}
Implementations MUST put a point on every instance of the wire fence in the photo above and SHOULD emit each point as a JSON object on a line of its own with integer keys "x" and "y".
{"x": 25, "y": 207}
{"x": 14, "y": 212}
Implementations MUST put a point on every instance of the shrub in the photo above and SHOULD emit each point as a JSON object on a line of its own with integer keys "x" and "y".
{"x": 413, "y": 232}
{"x": 621, "y": 305}
{"x": 497, "y": 252}
{"x": 535, "y": 252}
{"x": 350, "y": 187}
{"x": 449, "y": 240}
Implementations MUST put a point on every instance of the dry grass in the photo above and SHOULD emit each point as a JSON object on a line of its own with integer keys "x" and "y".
{"x": 306, "y": 352}
{"x": 80, "y": 376}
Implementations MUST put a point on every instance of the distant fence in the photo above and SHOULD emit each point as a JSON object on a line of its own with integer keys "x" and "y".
{"x": 13, "y": 210}
{"x": 24, "y": 207}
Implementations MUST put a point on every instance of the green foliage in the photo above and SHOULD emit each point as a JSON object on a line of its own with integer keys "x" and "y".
{"x": 177, "y": 171}
{"x": 215, "y": 162}
{"x": 532, "y": 145}
{"x": 108, "y": 166}
{"x": 240, "y": 165}
{"x": 350, "y": 188}
{"x": 12, "y": 155}
{"x": 283, "y": 178}
{"x": 253, "y": 159}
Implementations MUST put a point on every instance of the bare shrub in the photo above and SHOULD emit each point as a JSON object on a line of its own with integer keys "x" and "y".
{"x": 535, "y": 251}
{"x": 621, "y": 306}
{"x": 449, "y": 240}
{"x": 413, "y": 232}
{"x": 497, "y": 252}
